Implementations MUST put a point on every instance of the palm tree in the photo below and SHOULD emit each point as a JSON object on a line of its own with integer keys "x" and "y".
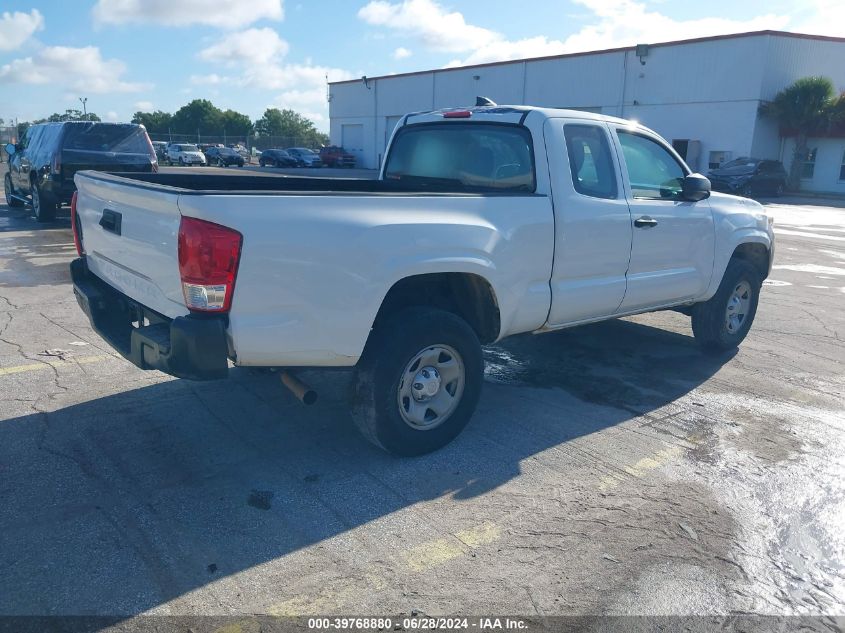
{"x": 803, "y": 109}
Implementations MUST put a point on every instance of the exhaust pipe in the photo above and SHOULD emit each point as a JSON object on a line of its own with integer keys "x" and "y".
{"x": 303, "y": 392}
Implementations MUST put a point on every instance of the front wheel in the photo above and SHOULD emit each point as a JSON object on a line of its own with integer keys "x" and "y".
{"x": 418, "y": 382}
{"x": 722, "y": 322}
{"x": 11, "y": 200}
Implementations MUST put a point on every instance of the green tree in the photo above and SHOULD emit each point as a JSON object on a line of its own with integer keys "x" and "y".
{"x": 23, "y": 126}
{"x": 157, "y": 122}
{"x": 69, "y": 115}
{"x": 200, "y": 116}
{"x": 290, "y": 126}
{"x": 236, "y": 124}
{"x": 805, "y": 108}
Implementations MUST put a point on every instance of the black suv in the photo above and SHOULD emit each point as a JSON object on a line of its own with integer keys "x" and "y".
{"x": 42, "y": 165}
{"x": 223, "y": 157}
{"x": 277, "y": 158}
{"x": 748, "y": 177}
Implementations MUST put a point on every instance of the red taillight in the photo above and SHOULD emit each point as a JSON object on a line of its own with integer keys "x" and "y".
{"x": 77, "y": 228}
{"x": 208, "y": 264}
{"x": 457, "y": 114}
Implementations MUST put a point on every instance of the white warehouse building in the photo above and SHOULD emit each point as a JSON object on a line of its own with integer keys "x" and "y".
{"x": 702, "y": 95}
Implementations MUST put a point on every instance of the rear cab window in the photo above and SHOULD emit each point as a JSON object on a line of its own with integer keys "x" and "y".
{"x": 590, "y": 161}
{"x": 476, "y": 156}
{"x": 121, "y": 139}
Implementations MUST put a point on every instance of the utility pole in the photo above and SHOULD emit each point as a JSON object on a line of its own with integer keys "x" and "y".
{"x": 84, "y": 101}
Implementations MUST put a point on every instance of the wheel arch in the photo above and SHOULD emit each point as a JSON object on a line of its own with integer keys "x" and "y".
{"x": 467, "y": 295}
{"x": 757, "y": 253}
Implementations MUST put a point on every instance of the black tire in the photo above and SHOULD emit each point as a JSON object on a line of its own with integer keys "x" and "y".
{"x": 746, "y": 192}
{"x": 261, "y": 163}
{"x": 709, "y": 318}
{"x": 43, "y": 205}
{"x": 393, "y": 344}
{"x": 11, "y": 201}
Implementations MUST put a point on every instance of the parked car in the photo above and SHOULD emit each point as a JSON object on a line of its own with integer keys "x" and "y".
{"x": 749, "y": 177}
{"x": 223, "y": 157}
{"x": 276, "y": 158}
{"x": 160, "y": 148}
{"x": 240, "y": 149}
{"x": 185, "y": 154}
{"x": 43, "y": 164}
{"x": 305, "y": 157}
{"x": 484, "y": 222}
{"x": 334, "y": 156}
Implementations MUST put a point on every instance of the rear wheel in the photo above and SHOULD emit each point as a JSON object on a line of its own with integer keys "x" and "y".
{"x": 418, "y": 381}
{"x": 722, "y": 322}
{"x": 43, "y": 205}
{"x": 10, "y": 193}
{"x": 181, "y": 162}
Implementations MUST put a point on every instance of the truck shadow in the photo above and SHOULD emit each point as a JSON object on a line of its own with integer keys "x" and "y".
{"x": 124, "y": 503}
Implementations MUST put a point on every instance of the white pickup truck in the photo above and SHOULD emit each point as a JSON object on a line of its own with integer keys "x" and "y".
{"x": 485, "y": 222}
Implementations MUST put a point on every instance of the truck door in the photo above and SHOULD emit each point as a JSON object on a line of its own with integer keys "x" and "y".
{"x": 592, "y": 221}
{"x": 673, "y": 243}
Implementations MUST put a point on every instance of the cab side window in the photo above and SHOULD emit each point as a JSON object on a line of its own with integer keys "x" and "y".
{"x": 590, "y": 161}
{"x": 27, "y": 136}
{"x": 652, "y": 171}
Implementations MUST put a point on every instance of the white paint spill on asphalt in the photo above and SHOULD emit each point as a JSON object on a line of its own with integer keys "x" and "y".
{"x": 811, "y": 268}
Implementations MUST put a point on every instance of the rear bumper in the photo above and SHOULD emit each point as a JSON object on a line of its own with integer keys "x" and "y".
{"x": 190, "y": 347}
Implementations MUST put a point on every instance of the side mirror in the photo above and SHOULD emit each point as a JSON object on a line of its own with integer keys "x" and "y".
{"x": 11, "y": 148}
{"x": 695, "y": 187}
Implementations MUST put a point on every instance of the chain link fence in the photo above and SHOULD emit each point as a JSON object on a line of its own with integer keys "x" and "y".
{"x": 8, "y": 134}
{"x": 260, "y": 143}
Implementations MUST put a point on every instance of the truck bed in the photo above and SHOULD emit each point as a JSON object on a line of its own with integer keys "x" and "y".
{"x": 261, "y": 184}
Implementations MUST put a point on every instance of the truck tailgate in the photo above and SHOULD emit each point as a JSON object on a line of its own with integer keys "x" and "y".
{"x": 127, "y": 230}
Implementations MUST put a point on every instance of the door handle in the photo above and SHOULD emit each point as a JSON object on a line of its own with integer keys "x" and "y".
{"x": 645, "y": 222}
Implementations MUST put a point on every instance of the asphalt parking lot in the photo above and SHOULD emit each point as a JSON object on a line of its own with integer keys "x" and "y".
{"x": 610, "y": 469}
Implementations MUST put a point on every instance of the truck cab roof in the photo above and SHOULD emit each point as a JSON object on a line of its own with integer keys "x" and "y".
{"x": 508, "y": 114}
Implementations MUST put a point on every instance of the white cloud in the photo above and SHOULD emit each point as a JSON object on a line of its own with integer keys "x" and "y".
{"x": 81, "y": 69}
{"x": 225, "y": 14}
{"x": 401, "y": 53}
{"x": 821, "y": 17}
{"x": 253, "y": 46}
{"x": 256, "y": 59}
{"x": 209, "y": 80}
{"x": 433, "y": 25}
{"x": 16, "y": 28}
{"x": 144, "y": 106}
{"x": 617, "y": 23}
{"x": 112, "y": 116}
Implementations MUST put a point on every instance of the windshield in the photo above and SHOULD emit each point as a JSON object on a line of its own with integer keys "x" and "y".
{"x": 749, "y": 163}
{"x": 228, "y": 151}
{"x": 188, "y": 148}
{"x": 468, "y": 154}
{"x": 121, "y": 139}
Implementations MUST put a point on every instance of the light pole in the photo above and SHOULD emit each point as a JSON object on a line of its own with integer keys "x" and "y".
{"x": 84, "y": 101}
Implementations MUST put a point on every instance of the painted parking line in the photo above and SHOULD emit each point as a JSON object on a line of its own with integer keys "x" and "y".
{"x": 418, "y": 559}
{"x": 77, "y": 360}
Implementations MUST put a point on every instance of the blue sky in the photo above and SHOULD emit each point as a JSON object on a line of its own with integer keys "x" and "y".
{"x": 129, "y": 55}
